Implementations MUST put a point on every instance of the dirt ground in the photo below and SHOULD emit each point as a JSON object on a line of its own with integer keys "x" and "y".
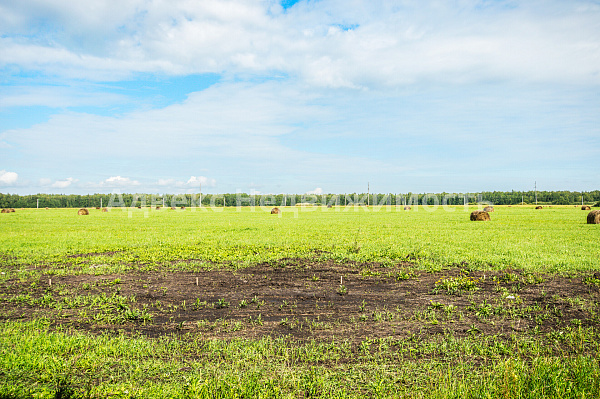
{"x": 305, "y": 300}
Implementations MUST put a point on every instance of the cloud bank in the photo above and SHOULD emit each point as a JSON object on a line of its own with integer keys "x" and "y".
{"x": 329, "y": 44}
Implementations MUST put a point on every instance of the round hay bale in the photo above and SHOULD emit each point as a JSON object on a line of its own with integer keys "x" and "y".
{"x": 139, "y": 207}
{"x": 173, "y": 208}
{"x": 488, "y": 209}
{"x": 158, "y": 207}
{"x": 275, "y": 211}
{"x": 539, "y": 207}
{"x": 183, "y": 207}
{"x": 480, "y": 216}
{"x": 329, "y": 206}
{"x": 104, "y": 209}
{"x": 97, "y": 207}
{"x": 83, "y": 211}
{"x": 12, "y": 210}
{"x": 593, "y": 217}
{"x": 47, "y": 208}
{"x": 4, "y": 211}
{"x": 407, "y": 208}
{"x": 585, "y": 208}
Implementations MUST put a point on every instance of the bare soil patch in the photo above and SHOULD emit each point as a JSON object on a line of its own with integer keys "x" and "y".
{"x": 306, "y": 300}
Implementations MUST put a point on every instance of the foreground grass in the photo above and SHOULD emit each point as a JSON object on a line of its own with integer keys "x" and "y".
{"x": 38, "y": 361}
{"x": 550, "y": 240}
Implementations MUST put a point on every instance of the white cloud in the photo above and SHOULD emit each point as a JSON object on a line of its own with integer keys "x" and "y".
{"x": 192, "y": 182}
{"x": 117, "y": 182}
{"x": 328, "y": 43}
{"x": 64, "y": 183}
{"x": 8, "y": 178}
{"x": 201, "y": 180}
{"x": 316, "y": 191}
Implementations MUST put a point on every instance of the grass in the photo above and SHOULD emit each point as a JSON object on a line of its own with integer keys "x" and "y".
{"x": 43, "y": 357}
{"x": 556, "y": 239}
{"x": 38, "y": 360}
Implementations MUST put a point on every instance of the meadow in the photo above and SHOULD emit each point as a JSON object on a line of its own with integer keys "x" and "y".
{"x": 313, "y": 302}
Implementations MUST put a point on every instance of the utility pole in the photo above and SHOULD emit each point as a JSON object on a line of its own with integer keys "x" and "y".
{"x": 200, "y": 195}
{"x": 100, "y": 202}
{"x": 535, "y": 188}
{"x": 582, "y": 198}
{"x": 38, "y": 203}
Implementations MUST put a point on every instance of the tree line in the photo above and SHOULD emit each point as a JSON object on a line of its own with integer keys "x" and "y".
{"x": 243, "y": 199}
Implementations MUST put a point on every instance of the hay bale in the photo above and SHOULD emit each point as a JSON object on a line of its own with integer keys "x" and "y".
{"x": 47, "y": 208}
{"x": 275, "y": 211}
{"x": 329, "y": 206}
{"x": 539, "y": 207}
{"x": 97, "y": 207}
{"x": 480, "y": 216}
{"x": 104, "y": 209}
{"x": 183, "y": 207}
{"x": 158, "y": 207}
{"x": 83, "y": 211}
{"x": 585, "y": 208}
{"x": 4, "y": 211}
{"x": 488, "y": 209}
{"x": 12, "y": 210}
{"x": 593, "y": 217}
{"x": 407, "y": 208}
{"x": 173, "y": 208}
{"x": 139, "y": 207}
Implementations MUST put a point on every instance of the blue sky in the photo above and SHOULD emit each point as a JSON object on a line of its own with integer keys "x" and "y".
{"x": 299, "y": 96}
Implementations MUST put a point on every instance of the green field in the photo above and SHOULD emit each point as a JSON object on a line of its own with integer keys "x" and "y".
{"x": 551, "y": 240}
{"x": 75, "y": 323}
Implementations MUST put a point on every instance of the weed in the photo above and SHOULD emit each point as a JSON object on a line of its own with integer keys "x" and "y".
{"x": 221, "y": 303}
{"x": 455, "y": 285}
{"x": 402, "y": 275}
{"x": 592, "y": 281}
{"x": 362, "y": 306}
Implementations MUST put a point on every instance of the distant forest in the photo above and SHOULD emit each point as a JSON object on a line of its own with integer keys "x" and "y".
{"x": 177, "y": 200}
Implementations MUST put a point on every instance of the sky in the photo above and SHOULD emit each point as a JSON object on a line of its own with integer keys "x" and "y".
{"x": 317, "y": 96}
